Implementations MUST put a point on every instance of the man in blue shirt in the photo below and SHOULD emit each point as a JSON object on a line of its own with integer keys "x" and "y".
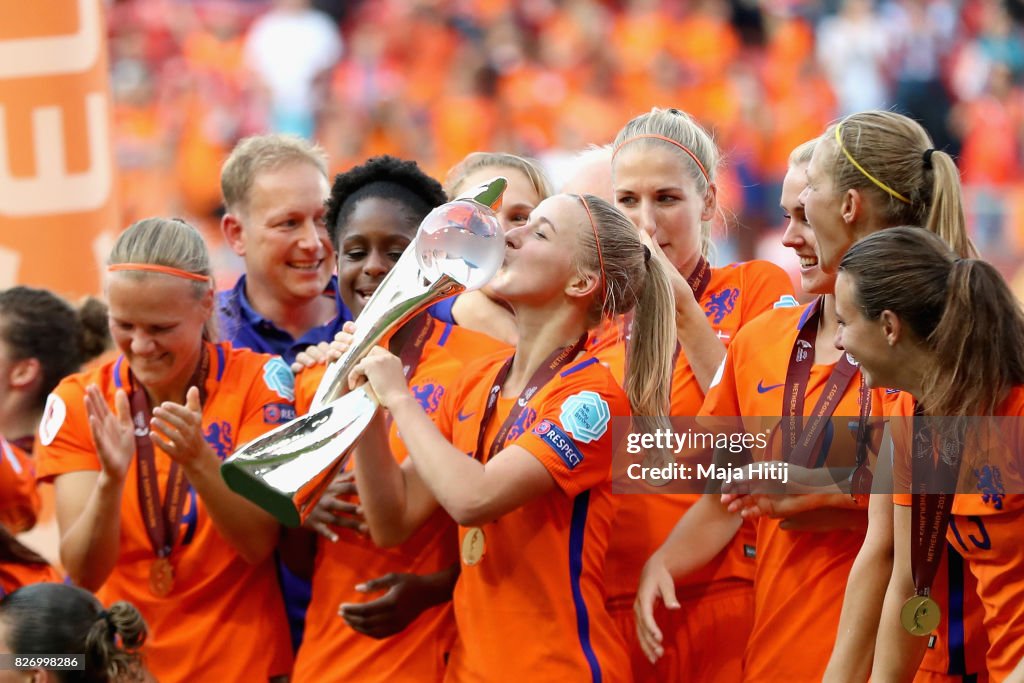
{"x": 274, "y": 189}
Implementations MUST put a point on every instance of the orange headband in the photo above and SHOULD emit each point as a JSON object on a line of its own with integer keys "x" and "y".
{"x": 153, "y": 268}
{"x": 671, "y": 141}
{"x": 600, "y": 255}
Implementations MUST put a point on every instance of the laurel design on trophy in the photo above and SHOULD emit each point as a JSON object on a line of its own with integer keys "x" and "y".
{"x": 459, "y": 247}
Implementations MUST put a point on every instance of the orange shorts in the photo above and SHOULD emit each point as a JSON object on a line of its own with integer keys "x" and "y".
{"x": 704, "y": 639}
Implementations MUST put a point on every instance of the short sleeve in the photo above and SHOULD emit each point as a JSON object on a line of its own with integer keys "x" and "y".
{"x": 64, "y": 442}
{"x": 901, "y": 428}
{"x": 722, "y": 399}
{"x": 270, "y": 400}
{"x": 19, "y": 500}
{"x": 765, "y": 285}
{"x": 306, "y": 384}
{"x": 572, "y": 435}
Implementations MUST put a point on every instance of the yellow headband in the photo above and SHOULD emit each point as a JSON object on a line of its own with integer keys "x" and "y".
{"x": 876, "y": 181}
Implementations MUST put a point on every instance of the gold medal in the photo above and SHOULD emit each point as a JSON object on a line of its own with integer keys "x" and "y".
{"x": 920, "y": 615}
{"x": 161, "y": 577}
{"x": 474, "y": 545}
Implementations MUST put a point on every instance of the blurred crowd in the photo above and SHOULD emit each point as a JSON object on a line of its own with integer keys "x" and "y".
{"x": 433, "y": 80}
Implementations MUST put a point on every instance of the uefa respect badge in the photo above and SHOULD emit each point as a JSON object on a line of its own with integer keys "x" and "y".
{"x": 585, "y": 416}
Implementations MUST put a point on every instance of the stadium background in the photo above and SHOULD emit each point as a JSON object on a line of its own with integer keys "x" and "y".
{"x": 433, "y": 80}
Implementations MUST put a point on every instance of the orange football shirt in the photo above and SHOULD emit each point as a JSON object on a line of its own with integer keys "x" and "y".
{"x": 224, "y": 619}
{"x": 331, "y": 650}
{"x": 532, "y": 607}
{"x": 984, "y": 528}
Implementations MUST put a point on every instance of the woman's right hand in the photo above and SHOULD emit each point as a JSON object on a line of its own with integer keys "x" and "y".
{"x": 113, "y": 434}
{"x": 656, "y": 583}
{"x": 324, "y": 353}
{"x": 331, "y": 510}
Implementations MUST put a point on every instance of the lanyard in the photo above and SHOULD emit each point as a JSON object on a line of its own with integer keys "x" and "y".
{"x": 798, "y": 440}
{"x": 548, "y": 369}
{"x": 161, "y": 521}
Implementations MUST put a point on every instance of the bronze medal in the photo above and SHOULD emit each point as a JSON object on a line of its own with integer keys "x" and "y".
{"x": 474, "y": 545}
{"x": 920, "y": 615}
{"x": 161, "y": 577}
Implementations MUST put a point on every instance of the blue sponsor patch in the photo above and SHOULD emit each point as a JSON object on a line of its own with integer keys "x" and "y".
{"x": 279, "y": 378}
{"x": 586, "y": 416}
{"x": 278, "y": 413}
{"x": 560, "y": 442}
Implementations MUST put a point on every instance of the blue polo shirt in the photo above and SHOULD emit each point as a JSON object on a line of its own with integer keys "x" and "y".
{"x": 245, "y": 328}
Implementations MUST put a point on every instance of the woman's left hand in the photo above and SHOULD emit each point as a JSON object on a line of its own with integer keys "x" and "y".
{"x": 178, "y": 430}
{"x": 383, "y": 370}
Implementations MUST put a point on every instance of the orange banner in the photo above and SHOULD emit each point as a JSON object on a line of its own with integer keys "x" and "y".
{"x": 57, "y": 205}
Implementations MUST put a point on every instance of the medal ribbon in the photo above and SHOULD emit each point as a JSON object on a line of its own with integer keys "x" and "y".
{"x": 161, "y": 522}
{"x": 548, "y": 369}
{"x": 800, "y": 441}
{"x": 930, "y": 511}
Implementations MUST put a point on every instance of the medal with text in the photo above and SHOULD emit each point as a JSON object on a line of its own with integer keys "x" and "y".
{"x": 162, "y": 520}
{"x": 930, "y": 514}
{"x": 474, "y": 544}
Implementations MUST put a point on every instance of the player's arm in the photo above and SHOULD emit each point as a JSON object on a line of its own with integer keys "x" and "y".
{"x": 898, "y": 653}
{"x": 89, "y": 519}
{"x": 865, "y": 593}
{"x": 697, "y": 538}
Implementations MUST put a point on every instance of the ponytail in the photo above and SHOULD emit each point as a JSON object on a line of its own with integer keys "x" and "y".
{"x": 55, "y": 618}
{"x": 946, "y": 214}
{"x": 978, "y": 343}
{"x": 114, "y": 640}
{"x": 649, "y": 363}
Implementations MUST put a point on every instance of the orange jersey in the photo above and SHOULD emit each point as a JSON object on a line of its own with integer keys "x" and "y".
{"x": 532, "y": 607}
{"x": 14, "y": 575}
{"x": 800, "y": 577}
{"x": 735, "y": 295}
{"x": 19, "y": 500}
{"x": 984, "y": 527}
{"x": 331, "y": 650}
{"x": 223, "y": 619}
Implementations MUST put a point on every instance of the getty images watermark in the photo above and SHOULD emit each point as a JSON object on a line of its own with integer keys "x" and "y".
{"x": 670, "y": 449}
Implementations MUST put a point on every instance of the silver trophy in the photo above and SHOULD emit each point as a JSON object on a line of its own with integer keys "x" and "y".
{"x": 459, "y": 247}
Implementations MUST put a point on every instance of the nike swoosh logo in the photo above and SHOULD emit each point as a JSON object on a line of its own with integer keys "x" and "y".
{"x": 761, "y": 389}
{"x": 463, "y": 418}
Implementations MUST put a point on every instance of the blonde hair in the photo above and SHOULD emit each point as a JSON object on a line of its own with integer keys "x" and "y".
{"x": 169, "y": 242}
{"x": 477, "y": 160}
{"x": 803, "y": 152}
{"x": 882, "y": 154}
{"x": 259, "y": 153}
{"x": 682, "y": 133}
{"x": 633, "y": 281}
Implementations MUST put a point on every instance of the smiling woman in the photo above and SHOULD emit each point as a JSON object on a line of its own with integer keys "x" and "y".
{"x": 372, "y": 216}
{"x": 134, "y": 447}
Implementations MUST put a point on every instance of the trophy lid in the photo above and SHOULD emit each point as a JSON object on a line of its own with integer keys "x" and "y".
{"x": 489, "y": 193}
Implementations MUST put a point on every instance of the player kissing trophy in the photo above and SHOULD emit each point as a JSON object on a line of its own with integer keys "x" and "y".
{"x": 458, "y": 247}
